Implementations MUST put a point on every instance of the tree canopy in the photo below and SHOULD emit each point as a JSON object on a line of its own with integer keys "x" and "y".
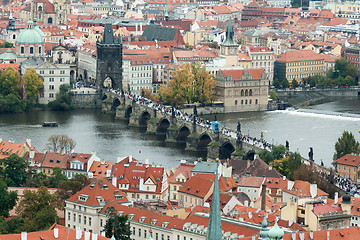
{"x": 60, "y": 143}
{"x": 346, "y": 144}
{"x": 15, "y": 170}
{"x": 7, "y": 199}
{"x": 191, "y": 83}
{"x": 33, "y": 83}
{"x": 72, "y": 186}
{"x": 117, "y": 223}
{"x": 10, "y": 82}
{"x": 63, "y": 99}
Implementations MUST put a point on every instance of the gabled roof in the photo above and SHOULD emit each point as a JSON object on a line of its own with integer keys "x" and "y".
{"x": 302, "y": 189}
{"x": 8, "y": 148}
{"x": 52, "y": 160}
{"x": 97, "y": 193}
{"x": 82, "y": 157}
{"x": 205, "y": 167}
{"x": 184, "y": 169}
{"x": 156, "y": 32}
{"x": 198, "y": 185}
{"x": 299, "y": 55}
{"x": 237, "y": 75}
{"x": 255, "y": 182}
{"x": 99, "y": 169}
{"x": 349, "y": 160}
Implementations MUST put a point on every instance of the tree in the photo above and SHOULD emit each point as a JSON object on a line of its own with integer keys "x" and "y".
{"x": 6, "y": 44}
{"x": 12, "y": 225}
{"x": 346, "y": 144}
{"x": 34, "y": 201}
{"x": 294, "y": 83}
{"x": 117, "y": 223}
{"x": 7, "y": 199}
{"x": 285, "y": 83}
{"x": 72, "y": 186}
{"x": 293, "y": 163}
{"x": 15, "y": 170}
{"x": 56, "y": 177}
{"x": 63, "y": 99}
{"x": 33, "y": 83}
{"x": 266, "y": 156}
{"x": 342, "y": 68}
{"x": 60, "y": 143}
{"x": 149, "y": 95}
{"x": 43, "y": 219}
{"x": 190, "y": 83}
{"x": 278, "y": 151}
{"x": 10, "y": 82}
{"x": 276, "y": 83}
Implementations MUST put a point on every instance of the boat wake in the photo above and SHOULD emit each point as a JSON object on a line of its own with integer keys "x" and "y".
{"x": 322, "y": 114}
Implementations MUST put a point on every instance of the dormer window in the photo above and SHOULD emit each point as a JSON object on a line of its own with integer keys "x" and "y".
{"x": 131, "y": 216}
{"x": 165, "y": 224}
{"x": 153, "y": 221}
{"x": 58, "y": 161}
{"x": 83, "y": 197}
{"x": 51, "y": 160}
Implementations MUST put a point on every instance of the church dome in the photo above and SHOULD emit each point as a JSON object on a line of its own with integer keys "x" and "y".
{"x": 275, "y": 233}
{"x": 30, "y": 36}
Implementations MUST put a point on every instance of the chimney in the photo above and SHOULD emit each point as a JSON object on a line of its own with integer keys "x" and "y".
{"x": 301, "y": 235}
{"x": 141, "y": 28}
{"x": 87, "y": 235}
{"x": 313, "y": 190}
{"x": 56, "y": 233}
{"x": 136, "y": 29}
{"x": 250, "y": 214}
{"x": 28, "y": 142}
{"x": 290, "y": 185}
{"x": 130, "y": 158}
{"x": 114, "y": 181}
{"x": 328, "y": 235}
{"x": 0, "y": 140}
{"x": 24, "y": 236}
{"x": 246, "y": 203}
{"x": 293, "y": 236}
{"x": 253, "y": 237}
{"x": 141, "y": 184}
{"x": 252, "y": 204}
{"x": 78, "y": 234}
{"x": 263, "y": 197}
{"x": 336, "y": 198}
{"x": 284, "y": 178}
{"x": 32, "y": 153}
{"x": 94, "y": 236}
{"x": 311, "y": 234}
{"x": 108, "y": 173}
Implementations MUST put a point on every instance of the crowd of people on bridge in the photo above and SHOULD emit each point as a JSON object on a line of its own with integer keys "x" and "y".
{"x": 176, "y": 113}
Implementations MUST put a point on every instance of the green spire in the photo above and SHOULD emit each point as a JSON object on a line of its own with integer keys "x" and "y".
{"x": 112, "y": 238}
{"x": 214, "y": 226}
{"x": 264, "y": 231}
{"x": 276, "y": 233}
{"x": 229, "y": 41}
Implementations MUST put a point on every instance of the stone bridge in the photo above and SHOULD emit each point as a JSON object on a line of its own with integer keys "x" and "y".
{"x": 197, "y": 138}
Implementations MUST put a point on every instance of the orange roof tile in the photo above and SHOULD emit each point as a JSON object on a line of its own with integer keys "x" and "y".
{"x": 238, "y": 74}
{"x": 299, "y": 55}
{"x": 349, "y": 160}
{"x": 198, "y": 185}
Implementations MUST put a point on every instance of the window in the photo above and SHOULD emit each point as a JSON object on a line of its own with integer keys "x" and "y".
{"x": 145, "y": 233}
{"x": 48, "y": 171}
{"x": 85, "y": 220}
{"x": 22, "y": 50}
{"x": 133, "y": 231}
{"x": 39, "y": 50}
{"x": 101, "y": 222}
{"x": 51, "y": 95}
{"x": 89, "y": 221}
{"x": 79, "y": 218}
{"x": 62, "y": 79}
{"x": 62, "y": 71}
{"x": 31, "y": 50}
{"x": 139, "y": 232}
{"x": 51, "y": 79}
{"x": 74, "y": 217}
{"x": 41, "y": 71}
{"x": 69, "y": 216}
{"x": 51, "y": 72}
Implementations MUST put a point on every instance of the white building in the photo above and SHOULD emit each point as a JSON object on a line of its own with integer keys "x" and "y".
{"x": 54, "y": 75}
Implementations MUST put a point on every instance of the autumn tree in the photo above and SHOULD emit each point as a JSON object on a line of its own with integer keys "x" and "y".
{"x": 149, "y": 95}
{"x": 33, "y": 83}
{"x": 190, "y": 83}
{"x": 60, "y": 143}
{"x": 10, "y": 82}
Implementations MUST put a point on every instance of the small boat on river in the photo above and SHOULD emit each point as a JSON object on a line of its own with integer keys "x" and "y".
{"x": 50, "y": 124}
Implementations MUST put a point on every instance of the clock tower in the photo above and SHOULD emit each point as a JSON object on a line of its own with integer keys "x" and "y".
{"x": 229, "y": 48}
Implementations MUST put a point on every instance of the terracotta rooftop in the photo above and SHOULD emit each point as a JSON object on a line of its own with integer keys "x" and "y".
{"x": 349, "y": 160}
{"x": 299, "y": 55}
{"x": 198, "y": 185}
{"x": 238, "y": 74}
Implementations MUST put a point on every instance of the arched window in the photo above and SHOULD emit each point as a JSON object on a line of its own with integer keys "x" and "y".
{"x": 109, "y": 67}
{"x": 22, "y": 50}
{"x": 242, "y": 102}
{"x": 235, "y": 102}
{"x": 31, "y": 50}
{"x": 250, "y": 92}
{"x": 250, "y": 101}
{"x": 50, "y": 20}
{"x": 245, "y": 101}
{"x": 256, "y": 101}
{"x": 246, "y": 92}
{"x": 40, "y": 8}
{"x": 242, "y": 92}
{"x": 39, "y": 50}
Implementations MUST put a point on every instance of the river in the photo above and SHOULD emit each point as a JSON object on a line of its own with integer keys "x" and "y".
{"x": 318, "y": 127}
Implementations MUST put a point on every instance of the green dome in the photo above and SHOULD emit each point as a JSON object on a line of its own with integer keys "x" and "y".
{"x": 9, "y": 55}
{"x": 275, "y": 233}
{"x": 30, "y": 36}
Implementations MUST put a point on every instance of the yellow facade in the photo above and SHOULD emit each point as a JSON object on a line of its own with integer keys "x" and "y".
{"x": 299, "y": 70}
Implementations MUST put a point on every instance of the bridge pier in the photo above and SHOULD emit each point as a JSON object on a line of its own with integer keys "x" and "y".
{"x": 120, "y": 113}
{"x": 106, "y": 106}
{"x": 152, "y": 126}
{"x": 171, "y": 134}
{"x": 191, "y": 142}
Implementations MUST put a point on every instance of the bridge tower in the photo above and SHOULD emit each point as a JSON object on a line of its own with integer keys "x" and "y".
{"x": 109, "y": 60}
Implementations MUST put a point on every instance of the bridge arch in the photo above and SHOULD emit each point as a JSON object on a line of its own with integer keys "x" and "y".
{"x": 144, "y": 118}
{"x": 225, "y": 150}
{"x": 163, "y": 125}
{"x": 203, "y": 141}
{"x": 250, "y": 155}
{"x": 183, "y": 133}
{"x": 128, "y": 111}
{"x": 115, "y": 104}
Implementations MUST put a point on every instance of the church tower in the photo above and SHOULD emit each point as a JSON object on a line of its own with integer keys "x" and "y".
{"x": 229, "y": 48}
{"x": 109, "y": 60}
{"x": 214, "y": 226}
{"x": 11, "y": 30}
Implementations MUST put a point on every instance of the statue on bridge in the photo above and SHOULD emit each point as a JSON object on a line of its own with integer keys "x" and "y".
{"x": 287, "y": 145}
{"x": 238, "y": 128}
{"x": 195, "y": 111}
{"x": 172, "y": 112}
{"x": 311, "y": 154}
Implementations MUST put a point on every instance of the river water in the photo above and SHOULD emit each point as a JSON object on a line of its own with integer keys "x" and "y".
{"x": 318, "y": 127}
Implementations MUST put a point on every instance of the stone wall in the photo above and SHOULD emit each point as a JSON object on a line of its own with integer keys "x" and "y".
{"x": 86, "y": 100}
{"x": 204, "y": 110}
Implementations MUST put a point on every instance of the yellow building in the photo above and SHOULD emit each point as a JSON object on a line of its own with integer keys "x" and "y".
{"x": 348, "y": 167}
{"x": 298, "y": 65}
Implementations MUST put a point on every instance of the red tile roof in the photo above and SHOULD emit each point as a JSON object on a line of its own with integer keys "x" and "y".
{"x": 99, "y": 169}
{"x": 184, "y": 169}
{"x": 238, "y": 74}
{"x": 251, "y": 182}
{"x": 349, "y": 160}
{"x": 302, "y": 189}
{"x": 53, "y": 160}
{"x": 299, "y": 55}
{"x": 99, "y": 188}
{"x": 319, "y": 208}
{"x": 198, "y": 185}
{"x": 8, "y": 148}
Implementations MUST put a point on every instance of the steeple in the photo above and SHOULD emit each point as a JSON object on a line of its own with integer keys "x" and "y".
{"x": 229, "y": 41}
{"x": 108, "y": 37}
{"x": 11, "y": 25}
{"x": 214, "y": 226}
{"x": 264, "y": 230}
{"x": 275, "y": 233}
{"x": 166, "y": 13}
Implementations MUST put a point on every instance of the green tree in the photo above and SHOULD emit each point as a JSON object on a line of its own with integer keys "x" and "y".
{"x": 72, "y": 186}
{"x": 7, "y": 199}
{"x": 276, "y": 83}
{"x": 293, "y": 163}
{"x": 10, "y": 82}
{"x": 63, "y": 99}
{"x": 285, "y": 83}
{"x": 43, "y": 219}
{"x": 117, "y": 223}
{"x": 15, "y": 170}
{"x": 273, "y": 94}
{"x": 34, "y": 201}
{"x": 12, "y": 225}
{"x": 278, "y": 151}
{"x": 342, "y": 68}
{"x": 33, "y": 83}
{"x": 346, "y": 144}
{"x": 294, "y": 83}
{"x": 57, "y": 177}
{"x": 266, "y": 156}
